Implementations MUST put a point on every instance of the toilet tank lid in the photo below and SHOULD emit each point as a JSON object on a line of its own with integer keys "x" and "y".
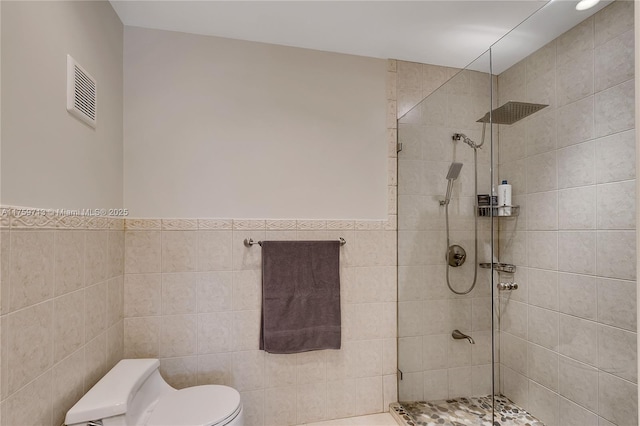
{"x": 109, "y": 397}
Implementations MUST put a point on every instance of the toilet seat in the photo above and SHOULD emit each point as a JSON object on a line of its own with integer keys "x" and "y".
{"x": 197, "y": 406}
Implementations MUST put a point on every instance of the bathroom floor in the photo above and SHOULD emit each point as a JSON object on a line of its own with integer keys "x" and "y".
{"x": 474, "y": 411}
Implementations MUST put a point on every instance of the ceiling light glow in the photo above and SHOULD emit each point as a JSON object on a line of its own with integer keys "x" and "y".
{"x": 586, "y": 4}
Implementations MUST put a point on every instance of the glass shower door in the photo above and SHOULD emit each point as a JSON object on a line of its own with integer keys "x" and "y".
{"x": 445, "y": 315}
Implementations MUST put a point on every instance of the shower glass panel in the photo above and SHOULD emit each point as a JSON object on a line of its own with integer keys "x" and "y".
{"x": 445, "y": 320}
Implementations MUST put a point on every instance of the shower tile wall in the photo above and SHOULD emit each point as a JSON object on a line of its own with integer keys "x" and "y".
{"x": 568, "y": 342}
{"x": 435, "y": 366}
{"x": 61, "y": 321}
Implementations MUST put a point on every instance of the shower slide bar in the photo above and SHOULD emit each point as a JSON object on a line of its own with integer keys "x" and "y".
{"x": 248, "y": 242}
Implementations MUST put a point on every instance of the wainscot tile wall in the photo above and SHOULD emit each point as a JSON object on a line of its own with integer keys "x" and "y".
{"x": 568, "y": 341}
{"x": 192, "y": 294}
{"x": 61, "y": 310}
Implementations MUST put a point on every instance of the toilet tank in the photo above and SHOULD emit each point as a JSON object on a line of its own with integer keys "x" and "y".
{"x": 125, "y": 391}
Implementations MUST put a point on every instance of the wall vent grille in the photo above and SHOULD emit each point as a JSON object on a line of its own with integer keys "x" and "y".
{"x": 81, "y": 93}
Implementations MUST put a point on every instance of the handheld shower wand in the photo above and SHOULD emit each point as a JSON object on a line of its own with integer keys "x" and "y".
{"x": 452, "y": 175}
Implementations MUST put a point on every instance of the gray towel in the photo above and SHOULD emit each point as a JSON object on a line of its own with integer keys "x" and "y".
{"x": 300, "y": 296}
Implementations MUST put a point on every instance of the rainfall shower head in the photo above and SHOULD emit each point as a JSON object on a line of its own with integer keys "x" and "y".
{"x": 511, "y": 112}
{"x": 452, "y": 175}
{"x": 454, "y": 171}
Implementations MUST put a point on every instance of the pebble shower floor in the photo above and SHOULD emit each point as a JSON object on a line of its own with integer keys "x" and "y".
{"x": 472, "y": 411}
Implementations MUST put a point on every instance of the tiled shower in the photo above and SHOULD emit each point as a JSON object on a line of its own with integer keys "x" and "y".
{"x": 565, "y": 340}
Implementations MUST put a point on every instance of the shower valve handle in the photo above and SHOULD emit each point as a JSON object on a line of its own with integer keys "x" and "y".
{"x": 455, "y": 256}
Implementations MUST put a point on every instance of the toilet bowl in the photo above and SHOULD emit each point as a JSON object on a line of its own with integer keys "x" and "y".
{"x": 134, "y": 393}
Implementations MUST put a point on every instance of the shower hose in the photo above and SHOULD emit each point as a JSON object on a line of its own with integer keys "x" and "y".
{"x": 475, "y": 228}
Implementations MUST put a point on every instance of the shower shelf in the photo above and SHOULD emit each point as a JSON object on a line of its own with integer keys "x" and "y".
{"x": 485, "y": 211}
{"x": 500, "y": 267}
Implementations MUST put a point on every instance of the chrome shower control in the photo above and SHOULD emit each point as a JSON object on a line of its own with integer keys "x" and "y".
{"x": 507, "y": 286}
{"x": 456, "y": 256}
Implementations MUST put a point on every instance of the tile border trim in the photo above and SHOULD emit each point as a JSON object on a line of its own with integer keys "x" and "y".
{"x": 13, "y": 217}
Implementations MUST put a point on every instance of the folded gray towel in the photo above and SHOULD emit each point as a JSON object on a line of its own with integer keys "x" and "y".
{"x": 300, "y": 296}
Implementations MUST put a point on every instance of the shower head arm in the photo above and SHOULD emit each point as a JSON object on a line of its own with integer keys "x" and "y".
{"x": 464, "y": 138}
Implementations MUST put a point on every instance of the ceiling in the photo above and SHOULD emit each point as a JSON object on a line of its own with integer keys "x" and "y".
{"x": 449, "y": 33}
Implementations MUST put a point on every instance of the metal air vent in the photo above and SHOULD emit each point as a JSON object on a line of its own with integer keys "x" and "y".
{"x": 81, "y": 93}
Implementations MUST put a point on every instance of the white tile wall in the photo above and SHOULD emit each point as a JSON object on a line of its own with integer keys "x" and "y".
{"x": 579, "y": 266}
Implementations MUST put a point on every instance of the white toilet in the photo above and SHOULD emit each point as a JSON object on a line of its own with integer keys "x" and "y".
{"x": 134, "y": 393}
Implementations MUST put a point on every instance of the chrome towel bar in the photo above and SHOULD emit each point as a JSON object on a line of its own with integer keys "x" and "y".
{"x": 248, "y": 242}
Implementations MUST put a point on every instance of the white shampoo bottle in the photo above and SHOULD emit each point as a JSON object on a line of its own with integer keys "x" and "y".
{"x": 504, "y": 199}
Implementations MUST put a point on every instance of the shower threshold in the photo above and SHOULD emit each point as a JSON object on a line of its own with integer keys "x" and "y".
{"x": 472, "y": 411}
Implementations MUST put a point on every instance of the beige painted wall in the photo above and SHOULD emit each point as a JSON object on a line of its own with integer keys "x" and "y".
{"x": 225, "y": 128}
{"x": 50, "y": 159}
